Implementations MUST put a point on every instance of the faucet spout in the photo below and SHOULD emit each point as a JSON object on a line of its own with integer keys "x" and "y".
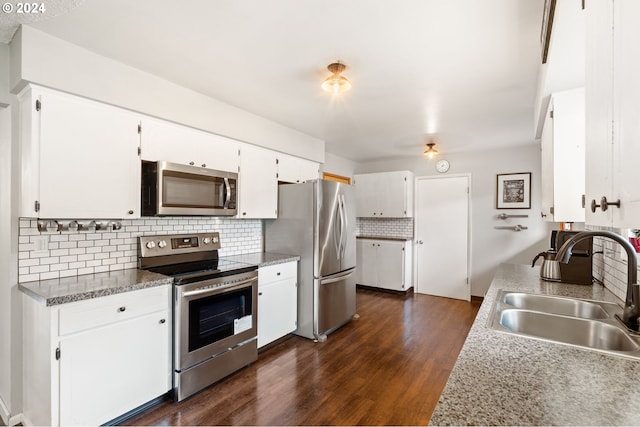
{"x": 631, "y": 314}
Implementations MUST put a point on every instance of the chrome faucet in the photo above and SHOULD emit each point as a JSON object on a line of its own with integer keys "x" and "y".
{"x": 631, "y": 313}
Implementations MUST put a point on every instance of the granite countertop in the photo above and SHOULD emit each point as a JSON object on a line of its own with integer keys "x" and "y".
{"x": 78, "y": 288}
{"x": 504, "y": 379}
{"x": 262, "y": 259}
{"x": 397, "y": 239}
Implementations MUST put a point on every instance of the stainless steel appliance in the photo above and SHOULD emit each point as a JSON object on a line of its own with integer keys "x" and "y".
{"x": 215, "y": 307}
{"x": 175, "y": 189}
{"x": 317, "y": 220}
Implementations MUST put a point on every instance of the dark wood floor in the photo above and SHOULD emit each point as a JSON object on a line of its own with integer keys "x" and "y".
{"x": 386, "y": 368}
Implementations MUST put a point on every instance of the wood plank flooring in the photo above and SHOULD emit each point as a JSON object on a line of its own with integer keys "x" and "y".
{"x": 386, "y": 368}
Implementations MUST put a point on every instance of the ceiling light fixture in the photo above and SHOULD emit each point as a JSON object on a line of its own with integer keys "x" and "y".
{"x": 336, "y": 83}
{"x": 430, "y": 151}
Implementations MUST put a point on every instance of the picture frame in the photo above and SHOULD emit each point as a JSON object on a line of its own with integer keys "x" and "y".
{"x": 513, "y": 191}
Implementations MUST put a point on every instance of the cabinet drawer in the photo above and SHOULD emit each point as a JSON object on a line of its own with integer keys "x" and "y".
{"x": 273, "y": 273}
{"x": 101, "y": 311}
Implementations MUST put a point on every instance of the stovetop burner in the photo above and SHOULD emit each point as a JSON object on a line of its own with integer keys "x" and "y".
{"x": 187, "y": 258}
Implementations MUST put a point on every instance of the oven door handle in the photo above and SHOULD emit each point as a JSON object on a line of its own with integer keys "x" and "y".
{"x": 210, "y": 291}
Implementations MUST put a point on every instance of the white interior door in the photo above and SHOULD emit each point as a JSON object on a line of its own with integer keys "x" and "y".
{"x": 442, "y": 236}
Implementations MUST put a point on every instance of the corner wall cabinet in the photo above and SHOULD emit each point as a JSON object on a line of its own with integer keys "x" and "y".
{"x": 384, "y": 263}
{"x": 88, "y": 362}
{"x": 385, "y": 194}
{"x": 613, "y": 129}
{"x": 277, "y": 301}
{"x": 162, "y": 140}
{"x": 78, "y": 157}
{"x": 562, "y": 145}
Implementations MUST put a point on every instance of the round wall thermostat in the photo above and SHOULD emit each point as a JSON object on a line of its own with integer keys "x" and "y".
{"x": 442, "y": 166}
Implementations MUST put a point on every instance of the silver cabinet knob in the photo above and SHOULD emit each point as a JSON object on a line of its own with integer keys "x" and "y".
{"x": 419, "y": 242}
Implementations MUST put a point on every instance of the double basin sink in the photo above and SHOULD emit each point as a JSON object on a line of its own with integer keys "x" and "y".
{"x": 577, "y": 322}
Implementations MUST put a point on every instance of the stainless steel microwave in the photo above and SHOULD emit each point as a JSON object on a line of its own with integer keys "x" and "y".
{"x": 175, "y": 189}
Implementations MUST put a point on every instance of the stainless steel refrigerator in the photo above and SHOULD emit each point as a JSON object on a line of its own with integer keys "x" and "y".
{"x": 317, "y": 221}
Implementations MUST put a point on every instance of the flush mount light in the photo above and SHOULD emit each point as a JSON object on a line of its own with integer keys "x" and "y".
{"x": 430, "y": 151}
{"x": 336, "y": 83}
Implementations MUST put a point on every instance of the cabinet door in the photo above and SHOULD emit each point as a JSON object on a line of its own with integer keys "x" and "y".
{"x": 277, "y": 310}
{"x": 108, "y": 371}
{"x": 258, "y": 183}
{"x": 626, "y": 155}
{"x": 366, "y": 196}
{"x": 295, "y": 169}
{"x": 392, "y": 193}
{"x": 390, "y": 261}
{"x": 366, "y": 262}
{"x": 546, "y": 165}
{"x": 599, "y": 108}
{"x": 161, "y": 140}
{"x": 89, "y": 166}
{"x": 568, "y": 156}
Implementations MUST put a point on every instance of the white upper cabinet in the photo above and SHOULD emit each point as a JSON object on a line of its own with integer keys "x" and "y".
{"x": 295, "y": 169}
{"x": 612, "y": 111}
{"x": 384, "y": 194}
{"x": 562, "y": 145}
{"x": 258, "y": 183}
{"x": 79, "y": 157}
{"x": 162, "y": 140}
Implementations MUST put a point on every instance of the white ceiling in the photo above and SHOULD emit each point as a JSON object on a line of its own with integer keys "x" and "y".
{"x": 461, "y": 71}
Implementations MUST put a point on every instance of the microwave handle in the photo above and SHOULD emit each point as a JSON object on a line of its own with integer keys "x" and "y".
{"x": 227, "y": 193}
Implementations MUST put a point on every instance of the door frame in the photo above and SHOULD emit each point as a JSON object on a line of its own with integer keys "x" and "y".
{"x": 469, "y": 224}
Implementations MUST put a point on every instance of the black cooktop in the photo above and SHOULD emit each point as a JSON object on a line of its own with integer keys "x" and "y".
{"x": 191, "y": 272}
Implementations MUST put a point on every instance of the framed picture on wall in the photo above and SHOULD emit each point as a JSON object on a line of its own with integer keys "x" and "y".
{"x": 514, "y": 191}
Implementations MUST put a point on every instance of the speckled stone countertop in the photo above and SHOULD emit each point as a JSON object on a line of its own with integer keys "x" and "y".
{"x": 262, "y": 259}
{"x": 397, "y": 239}
{"x": 78, "y": 288}
{"x": 504, "y": 379}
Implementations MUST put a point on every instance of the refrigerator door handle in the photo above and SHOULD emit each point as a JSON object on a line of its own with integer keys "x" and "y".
{"x": 337, "y": 278}
{"x": 337, "y": 232}
{"x": 344, "y": 225}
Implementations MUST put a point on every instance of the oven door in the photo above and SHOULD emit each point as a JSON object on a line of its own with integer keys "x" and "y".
{"x": 213, "y": 316}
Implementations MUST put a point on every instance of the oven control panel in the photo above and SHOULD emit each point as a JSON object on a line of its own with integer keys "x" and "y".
{"x": 172, "y": 244}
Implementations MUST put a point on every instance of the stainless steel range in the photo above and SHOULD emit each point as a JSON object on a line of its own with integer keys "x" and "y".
{"x": 215, "y": 307}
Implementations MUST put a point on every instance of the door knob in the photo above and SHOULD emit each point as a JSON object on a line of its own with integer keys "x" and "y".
{"x": 594, "y": 205}
{"x": 419, "y": 242}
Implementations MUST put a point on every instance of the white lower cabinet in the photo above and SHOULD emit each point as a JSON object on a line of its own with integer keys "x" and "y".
{"x": 277, "y": 301}
{"x": 88, "y": 362}
{"x": 383, "y": 264}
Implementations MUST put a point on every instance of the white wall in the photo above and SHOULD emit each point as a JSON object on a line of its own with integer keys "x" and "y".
{"x": 40, "y": 58}
{"x": 338, "y": 165}
{"x": 489, "y": 247}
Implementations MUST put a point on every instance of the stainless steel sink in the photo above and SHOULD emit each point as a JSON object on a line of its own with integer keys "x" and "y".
{"x": 561, "y": 305}
{"x": 569, "y": 330}
{"x": 572, "y": 321}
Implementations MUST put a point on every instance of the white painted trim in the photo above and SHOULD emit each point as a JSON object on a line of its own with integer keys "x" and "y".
{"x": 469, "y": 225}
{"x": 7, "y": 419}
{"x": 4, "y": 412}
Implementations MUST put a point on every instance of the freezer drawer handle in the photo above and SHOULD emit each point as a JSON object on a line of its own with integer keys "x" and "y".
{"x": 335, "y": 279}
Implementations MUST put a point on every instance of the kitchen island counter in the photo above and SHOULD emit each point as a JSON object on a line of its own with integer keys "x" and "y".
{"x": 504, "y": 379}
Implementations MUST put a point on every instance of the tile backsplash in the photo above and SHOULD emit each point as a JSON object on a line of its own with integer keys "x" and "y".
{"x": 610, "y": 263}
{"x": 72, "y": 253}
{"x": 385, "y": 227}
